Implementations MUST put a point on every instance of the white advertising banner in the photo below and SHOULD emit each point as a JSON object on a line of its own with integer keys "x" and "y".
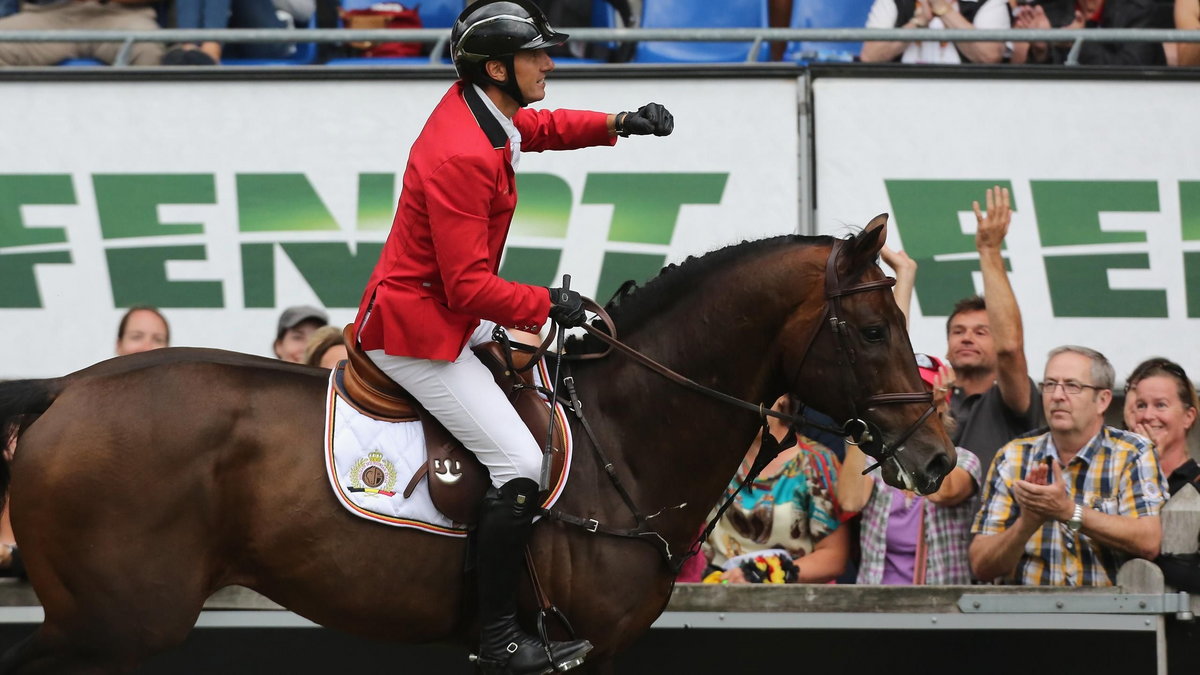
{"x": 224, "y": 202}
{"x": 1104, "y": 246}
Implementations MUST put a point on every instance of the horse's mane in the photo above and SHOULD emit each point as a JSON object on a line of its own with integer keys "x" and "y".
{"x": 632, "y": 305}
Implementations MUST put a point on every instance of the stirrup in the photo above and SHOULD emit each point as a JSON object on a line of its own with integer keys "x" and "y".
{"x": 496, "y": 667}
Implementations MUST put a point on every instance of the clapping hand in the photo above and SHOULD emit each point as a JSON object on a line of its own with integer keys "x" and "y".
{"x": 1040, "y": 500}
{"x": 1031, "y": 17}
{"x": 922, "y": 15}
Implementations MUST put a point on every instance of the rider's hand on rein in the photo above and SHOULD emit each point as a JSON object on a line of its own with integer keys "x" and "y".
{"x": 566, "y": 308}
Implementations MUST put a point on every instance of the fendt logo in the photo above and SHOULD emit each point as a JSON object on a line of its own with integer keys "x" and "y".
{"x": 284, "y": 213}
{"x": 1077, "y": 253}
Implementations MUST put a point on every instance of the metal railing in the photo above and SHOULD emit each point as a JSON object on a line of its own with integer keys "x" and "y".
{"x": 439, "y": 37}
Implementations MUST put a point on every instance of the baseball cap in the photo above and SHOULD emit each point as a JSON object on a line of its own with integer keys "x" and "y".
{"x": 928, "y": 367}
{"x": 294, "y": 316}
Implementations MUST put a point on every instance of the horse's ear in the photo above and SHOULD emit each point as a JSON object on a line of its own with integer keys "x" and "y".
{"x": 867, "y": 244}
{"x": 873, "y": 237}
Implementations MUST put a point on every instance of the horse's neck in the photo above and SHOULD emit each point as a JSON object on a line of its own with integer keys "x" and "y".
{"x": 674, "y": 444}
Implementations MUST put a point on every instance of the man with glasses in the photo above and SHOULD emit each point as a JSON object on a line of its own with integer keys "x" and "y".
{"x": 1066, "y": 507}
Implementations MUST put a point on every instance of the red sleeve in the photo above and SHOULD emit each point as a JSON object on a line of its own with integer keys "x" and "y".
{"x": 561, "y": 129}
{"x": 458, "y": 196}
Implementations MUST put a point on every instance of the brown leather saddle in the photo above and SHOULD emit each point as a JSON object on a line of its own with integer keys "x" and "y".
{"x": 457, "y": 480}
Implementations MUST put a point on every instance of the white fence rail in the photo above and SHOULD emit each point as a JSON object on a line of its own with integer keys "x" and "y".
{"x": 440, "y": 36}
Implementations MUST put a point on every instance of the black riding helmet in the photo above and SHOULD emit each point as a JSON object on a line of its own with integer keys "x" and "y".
{"x": 495, "y": 30}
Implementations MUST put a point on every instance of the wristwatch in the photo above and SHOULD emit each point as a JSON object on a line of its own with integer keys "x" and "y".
{"x": 1075, "y": 524}
{"x": 945, "y": 9}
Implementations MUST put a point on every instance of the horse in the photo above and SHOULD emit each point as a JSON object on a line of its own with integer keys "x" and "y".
{"x": 144, "y": 483}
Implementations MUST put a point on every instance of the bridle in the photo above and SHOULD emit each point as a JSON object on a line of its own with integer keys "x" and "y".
{"x": 858, "y": 431}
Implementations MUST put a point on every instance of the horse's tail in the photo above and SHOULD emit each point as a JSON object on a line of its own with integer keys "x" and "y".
{"x": 21, "y": 401}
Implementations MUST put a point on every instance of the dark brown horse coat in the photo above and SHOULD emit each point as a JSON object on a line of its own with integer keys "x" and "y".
{"x": 145, "y": 483}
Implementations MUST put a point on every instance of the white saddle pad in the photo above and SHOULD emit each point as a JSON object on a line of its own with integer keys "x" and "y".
{"x": 370, "y": 462}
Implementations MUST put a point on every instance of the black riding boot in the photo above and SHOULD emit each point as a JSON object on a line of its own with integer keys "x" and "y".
{"x": 505, "y": 522}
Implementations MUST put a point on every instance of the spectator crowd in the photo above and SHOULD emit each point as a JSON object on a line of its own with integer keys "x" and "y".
{"x": 924, "y": 18}
{"x": 1044, "y": 491}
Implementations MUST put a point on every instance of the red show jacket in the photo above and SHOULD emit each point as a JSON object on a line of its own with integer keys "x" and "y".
{"x": 436, "y": 276}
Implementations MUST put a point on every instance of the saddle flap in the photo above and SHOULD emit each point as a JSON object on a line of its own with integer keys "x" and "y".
{"x": 457, "y": 479}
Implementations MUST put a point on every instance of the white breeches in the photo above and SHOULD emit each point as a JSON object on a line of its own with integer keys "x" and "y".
{"x": 464, "y": 397}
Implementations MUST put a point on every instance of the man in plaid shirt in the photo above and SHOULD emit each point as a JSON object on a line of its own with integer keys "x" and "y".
{"x": 1067, "y": 507}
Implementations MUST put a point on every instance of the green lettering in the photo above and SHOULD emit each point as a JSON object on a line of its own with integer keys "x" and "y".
{"x": 1069, "y": 215}
{"x": 281, "y": 202}
{"x": 336, "y": 274}
{"x": 1079, "y": 287}
{"x": 258, "y": 275}
{"x": 618, "y": 267}
{"x": 646, "y": 205}
{"x": 139, "y": 276}
{"x": 18, "y": 284}
{"x": 1189, "y": 209}
{"x": 1189, "y": 221}
{"x": 1069, "y": 211}
{"x": 544, "y": 210}
{"x": 16, "y": 190}
{"x": 926, "y": 215}
{"x": 376, "y": 201}
{"x": 128, "y": 203}
{"x": 537, "y": 266}
{"x": 1191, "y": 280}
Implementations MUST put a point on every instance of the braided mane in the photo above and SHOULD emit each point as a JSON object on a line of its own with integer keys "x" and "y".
{"x": 632, "y": 305}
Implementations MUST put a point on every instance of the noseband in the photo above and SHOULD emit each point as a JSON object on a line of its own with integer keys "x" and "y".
{"x": 863, "y": 433}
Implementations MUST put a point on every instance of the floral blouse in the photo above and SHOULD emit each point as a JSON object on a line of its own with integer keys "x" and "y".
{"x": 792, "y": 510}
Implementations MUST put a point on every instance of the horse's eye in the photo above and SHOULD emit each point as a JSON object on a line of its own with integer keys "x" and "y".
{"x": 874, "y": 333}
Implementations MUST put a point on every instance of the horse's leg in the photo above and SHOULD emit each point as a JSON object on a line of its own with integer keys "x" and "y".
{"x": 46, "y": 652}
{"x": 119, "y": 557}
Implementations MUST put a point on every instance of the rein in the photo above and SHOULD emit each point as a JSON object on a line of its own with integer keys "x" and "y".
{"x": 858, "y": 431}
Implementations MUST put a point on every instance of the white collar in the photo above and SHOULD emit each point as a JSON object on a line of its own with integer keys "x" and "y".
{"x": 514, "y": 135}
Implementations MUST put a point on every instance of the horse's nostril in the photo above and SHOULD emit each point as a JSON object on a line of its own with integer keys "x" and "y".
{"x": 939, "y": 466}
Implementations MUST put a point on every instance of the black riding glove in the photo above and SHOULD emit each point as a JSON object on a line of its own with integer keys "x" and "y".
{"x": 566, "y": 307}
{"x": 651, "y": 118}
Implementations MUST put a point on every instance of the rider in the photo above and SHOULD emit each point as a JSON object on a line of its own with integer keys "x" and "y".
{"x": 435, "y": 294}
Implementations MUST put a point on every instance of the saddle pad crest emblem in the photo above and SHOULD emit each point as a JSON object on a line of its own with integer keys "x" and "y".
{"x": 373, "y": 475}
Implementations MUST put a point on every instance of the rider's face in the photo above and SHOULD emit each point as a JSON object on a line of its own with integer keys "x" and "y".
{"x": 531, "y": 67}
